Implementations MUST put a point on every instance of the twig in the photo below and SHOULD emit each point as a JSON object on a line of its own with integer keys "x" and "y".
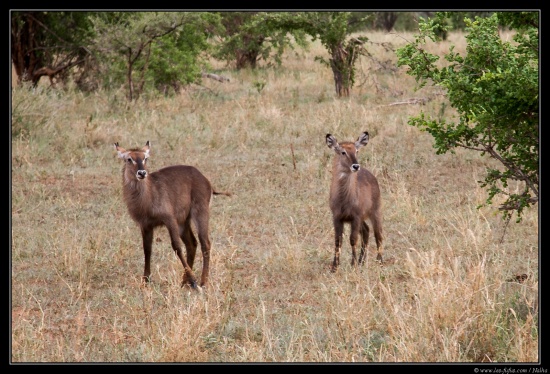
{"x": 505, "y": 227}
{"x": 293, "y": 159}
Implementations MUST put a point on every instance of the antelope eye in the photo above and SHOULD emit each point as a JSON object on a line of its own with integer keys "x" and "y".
{"x": 129, "y": 160}
{"x": 344, "y": 153}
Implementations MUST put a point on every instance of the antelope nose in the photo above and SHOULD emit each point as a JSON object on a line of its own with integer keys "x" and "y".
{"x": 355, "y": 167}
{"x": 141, "y": 174}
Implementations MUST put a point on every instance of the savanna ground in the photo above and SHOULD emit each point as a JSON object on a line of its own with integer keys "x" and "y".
{"x": 452, "y": 288}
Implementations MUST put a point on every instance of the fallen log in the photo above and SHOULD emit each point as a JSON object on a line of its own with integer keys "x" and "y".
{"x": 410, "y": 101}
{"x": 217, "y": 77}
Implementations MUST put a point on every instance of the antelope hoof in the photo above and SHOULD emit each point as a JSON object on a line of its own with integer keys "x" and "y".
{"x": 379, "y": 258}
{"x": 145, "y": 279}
{"x": 189, "y": 282}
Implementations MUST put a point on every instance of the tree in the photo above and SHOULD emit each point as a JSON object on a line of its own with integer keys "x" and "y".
{"x": 454, "y": 21}
{"x": 495, "y": 90}
{"x": 157, "y": 48}
{"x": 386, "y": 20}
{"x": 48, "y": 44}
{"x": 333, "y": 29}
{"x": 246, "y": 39}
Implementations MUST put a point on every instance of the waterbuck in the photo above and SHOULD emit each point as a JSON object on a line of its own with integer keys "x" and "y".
{"x": 174, "y": 197}
{"x": 354, "y": 199}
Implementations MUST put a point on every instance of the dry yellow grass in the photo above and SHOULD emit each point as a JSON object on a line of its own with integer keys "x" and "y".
{"x": 448, "y": 292}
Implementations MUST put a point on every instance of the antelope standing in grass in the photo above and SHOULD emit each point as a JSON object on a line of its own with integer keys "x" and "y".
{"x": 174, "y": 197}
{"x": 354, "y": 199}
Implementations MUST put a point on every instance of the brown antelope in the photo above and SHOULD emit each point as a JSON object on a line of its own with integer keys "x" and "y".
{"x": 174, "y": 197}
{"x": 354, "y": 199}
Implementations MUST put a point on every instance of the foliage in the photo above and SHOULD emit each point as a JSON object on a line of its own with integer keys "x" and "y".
{"x": 152, "y": 48}
{"x": 361, "y": 21}
{"x": 453, "y": 21}
{"x": 494, "y": 88}
{"x": 246, "y": 39}
{"x": 406, "y": 21}
{"x": 457, "y": 19}
{"x": 49, "y": 44}
{"x": 253, "y": 35}
{"x": 176, "y": 58}
{"x": 333, "y": 30}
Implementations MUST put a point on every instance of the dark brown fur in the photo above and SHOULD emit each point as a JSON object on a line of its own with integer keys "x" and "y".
{"x": 172, "y": 197}
{"x": 354, "y": 199}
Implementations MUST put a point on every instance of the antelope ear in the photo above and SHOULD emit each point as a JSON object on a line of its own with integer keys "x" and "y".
{"x": 362, "y": 140}
{"x": 121, "y": 151}
{"x": 146, "y": 148}
{"x": 332, "y": 143}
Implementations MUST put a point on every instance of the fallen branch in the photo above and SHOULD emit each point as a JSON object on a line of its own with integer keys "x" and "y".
{"x": 217, "y": 77}
{"x": 411, "y": 101}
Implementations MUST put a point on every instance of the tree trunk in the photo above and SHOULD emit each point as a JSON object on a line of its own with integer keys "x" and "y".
{"x": 338, "y": 79}
{"x": 341, "y": 69}
{"x": 31, "y": 55}
{"x": 129, "y": 76}
{"x": 388, "y": 20}
{"x": 24, "y": 30}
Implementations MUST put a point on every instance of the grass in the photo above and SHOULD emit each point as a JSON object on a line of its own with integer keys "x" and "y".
{"x": 445, "y": 294}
